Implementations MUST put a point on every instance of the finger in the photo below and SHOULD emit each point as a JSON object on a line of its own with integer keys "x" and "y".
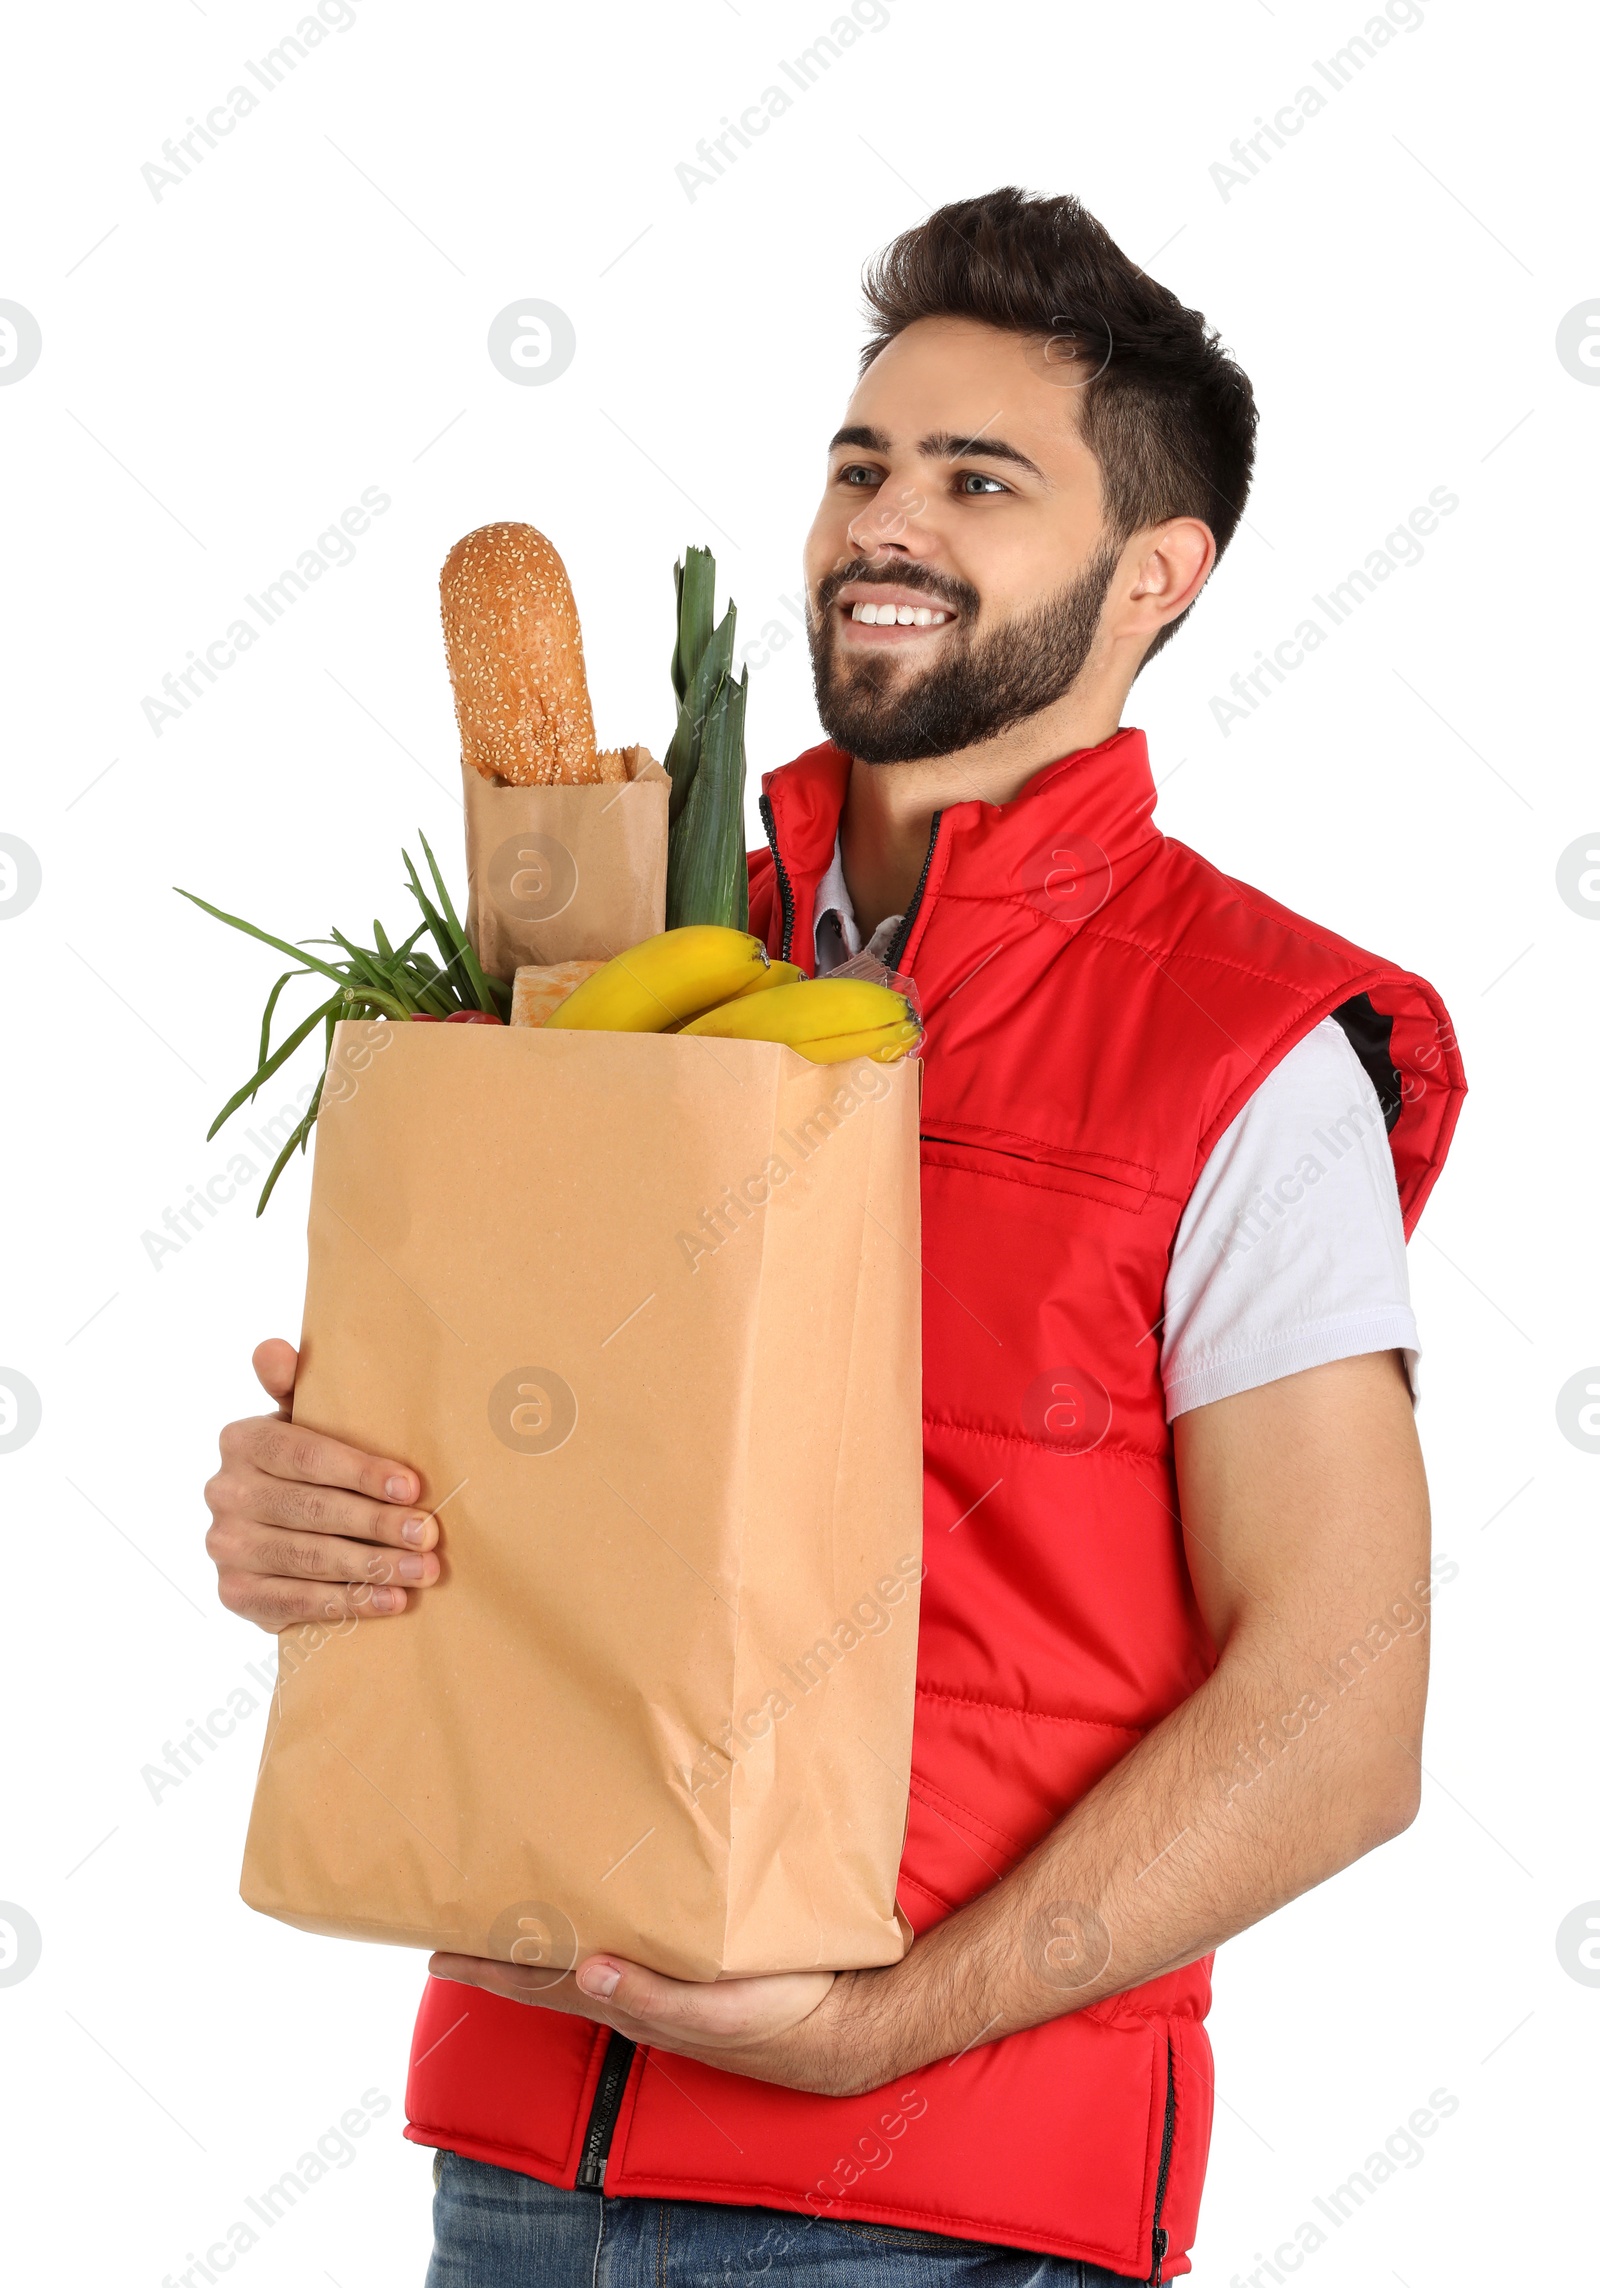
{"x": 255, "y": 1497}
{"x": 239, "y": 1540}
{"x": 669, "y": 2003}
{"x": 276, "y": 1363}
{"x": 515, "y": 1983}
{"x": 275, "y": 1554}
{"x": 289, "y": 1450}
{"x": 724, "y": 2009}
{"x": 280, "y": 1604}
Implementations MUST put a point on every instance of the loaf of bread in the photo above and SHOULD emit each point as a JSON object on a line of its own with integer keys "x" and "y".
{"x": 516, "y": 660}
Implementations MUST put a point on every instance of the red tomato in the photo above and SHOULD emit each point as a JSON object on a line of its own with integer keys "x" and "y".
{"x": 473, "y": 1017}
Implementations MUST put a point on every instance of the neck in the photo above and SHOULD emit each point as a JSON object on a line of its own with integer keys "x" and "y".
{"x": 889, "y": 807}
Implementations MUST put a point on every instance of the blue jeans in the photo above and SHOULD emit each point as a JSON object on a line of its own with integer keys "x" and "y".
{"x": 494, "y": 2228}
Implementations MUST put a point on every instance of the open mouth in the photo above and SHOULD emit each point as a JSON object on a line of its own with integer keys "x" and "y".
{"x": 891, "y": 616}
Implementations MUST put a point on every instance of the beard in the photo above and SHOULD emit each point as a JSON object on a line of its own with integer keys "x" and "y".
{"x": 979, "y": 686}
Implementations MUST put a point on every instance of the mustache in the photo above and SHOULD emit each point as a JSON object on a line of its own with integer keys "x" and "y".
{"x": 960, "y": 595}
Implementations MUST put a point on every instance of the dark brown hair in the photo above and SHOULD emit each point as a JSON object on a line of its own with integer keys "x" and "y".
{"x": 1168, "y": 415}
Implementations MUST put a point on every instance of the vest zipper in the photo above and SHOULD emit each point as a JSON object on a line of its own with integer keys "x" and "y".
{"x": 908, "y": 918}
{"x": 785, "y": 886}
{"x": 1168, "y": 2123}
{"x": 603, "y": 2113}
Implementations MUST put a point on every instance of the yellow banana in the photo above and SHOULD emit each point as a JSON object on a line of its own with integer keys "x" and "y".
{"x": 884, "y": 1044}
{"x": 816, "y": 1016}
{"x": 665, "y": 979}
{"x": 775, "y": 973}
{"x": 810, "y": 1010}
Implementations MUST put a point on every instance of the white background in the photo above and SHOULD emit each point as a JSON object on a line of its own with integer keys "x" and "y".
{"x": 224, "y": 369}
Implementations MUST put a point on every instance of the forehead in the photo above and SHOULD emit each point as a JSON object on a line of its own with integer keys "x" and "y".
{"x": 954, "y": 375}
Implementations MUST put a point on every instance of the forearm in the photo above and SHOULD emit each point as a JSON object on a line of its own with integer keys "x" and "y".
{"x": 1267, "y": 1780}
{"x": 1193, "y": 1836}
{"x": 1305, "y": 1520}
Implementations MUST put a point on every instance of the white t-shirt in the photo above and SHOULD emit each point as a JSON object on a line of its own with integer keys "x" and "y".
{"x": 1290, "y": 1252}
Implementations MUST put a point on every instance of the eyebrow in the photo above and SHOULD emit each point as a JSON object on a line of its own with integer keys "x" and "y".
{"x": 943, "y": 445}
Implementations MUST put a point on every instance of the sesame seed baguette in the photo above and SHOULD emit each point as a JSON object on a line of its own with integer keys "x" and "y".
{"x": 516, "y": 660}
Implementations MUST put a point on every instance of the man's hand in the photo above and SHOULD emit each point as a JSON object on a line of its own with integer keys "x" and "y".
{"x": 800, "y": 2031}
{"x": 305, "y": 1528}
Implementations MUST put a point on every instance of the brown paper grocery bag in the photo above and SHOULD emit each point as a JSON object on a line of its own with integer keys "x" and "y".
{"x": 565, "y": 873}
{"x": 645, "y": 1313}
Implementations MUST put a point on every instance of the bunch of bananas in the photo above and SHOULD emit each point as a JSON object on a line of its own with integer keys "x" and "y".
{"x": 721, "y": 983}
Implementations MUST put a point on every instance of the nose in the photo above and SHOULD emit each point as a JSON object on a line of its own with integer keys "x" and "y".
{"x": 888, "y": 526}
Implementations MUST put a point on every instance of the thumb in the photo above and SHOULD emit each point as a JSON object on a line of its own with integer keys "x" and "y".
{"x": 641, "y": 1993}
{"x": 275, "y": 1362}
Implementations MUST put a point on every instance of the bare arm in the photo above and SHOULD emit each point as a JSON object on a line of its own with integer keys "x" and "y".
{"x": 1306, "y": 1520}
{"x": 1306, "y": 1523}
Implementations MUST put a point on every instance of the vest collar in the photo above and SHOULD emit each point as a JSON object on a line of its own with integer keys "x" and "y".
{"x": 1090, "y": 811}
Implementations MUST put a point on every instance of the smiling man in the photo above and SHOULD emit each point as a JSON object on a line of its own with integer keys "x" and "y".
{"x": 1172, "y": 1651}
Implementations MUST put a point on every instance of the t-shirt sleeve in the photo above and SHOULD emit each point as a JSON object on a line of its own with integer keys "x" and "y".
{"x": 1291, "y": 1250}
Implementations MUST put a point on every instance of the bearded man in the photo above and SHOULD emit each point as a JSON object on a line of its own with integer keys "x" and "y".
{"x": 1172, "y": 1651}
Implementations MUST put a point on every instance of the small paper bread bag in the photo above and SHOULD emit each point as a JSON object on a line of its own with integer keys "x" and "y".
{"x": 565, "y": 873}
{"x": 645, "y": 1312}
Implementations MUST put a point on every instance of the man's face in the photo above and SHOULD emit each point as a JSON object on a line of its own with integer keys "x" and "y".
{"x": 959, "y": 491}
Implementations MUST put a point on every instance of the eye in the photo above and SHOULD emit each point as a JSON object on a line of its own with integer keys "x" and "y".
{"x": 859, "y": 474}
{"x": 975, "y": 484}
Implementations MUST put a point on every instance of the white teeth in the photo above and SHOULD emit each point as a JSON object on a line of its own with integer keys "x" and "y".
{"x": 898, "y": 615}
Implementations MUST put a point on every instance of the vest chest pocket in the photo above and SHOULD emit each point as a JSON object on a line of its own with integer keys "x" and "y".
{"x": 1045, "y": 1269}
{"x": 1011, "y": 1157}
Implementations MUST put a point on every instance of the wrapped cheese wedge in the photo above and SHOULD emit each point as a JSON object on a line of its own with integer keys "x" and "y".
{"x": 538, "y": 991}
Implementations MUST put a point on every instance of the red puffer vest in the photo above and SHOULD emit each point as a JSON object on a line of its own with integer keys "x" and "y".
{"x": 1099, "y": 1002}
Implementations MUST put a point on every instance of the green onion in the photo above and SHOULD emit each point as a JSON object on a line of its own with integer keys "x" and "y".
{"x": 298, "y": 1137}
{"x": 266, "y": 1014}
{"x": 397, "y": 981}
{"x": 269, "y": 1065}
{"x": 479, "y": 982}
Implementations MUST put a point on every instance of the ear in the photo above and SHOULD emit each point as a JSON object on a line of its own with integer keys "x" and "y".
{"x": 1172, "y": 563}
